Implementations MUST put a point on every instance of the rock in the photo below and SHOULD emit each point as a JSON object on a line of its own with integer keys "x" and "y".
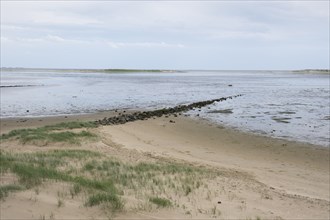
{"x": 124, "y": 118}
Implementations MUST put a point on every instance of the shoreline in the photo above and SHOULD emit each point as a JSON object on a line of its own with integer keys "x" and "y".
{"x": 288, "y": 179}
{"x": 263, "y": 134}
{"x": 229, "y": 142}
{"x": 12, "y": 123}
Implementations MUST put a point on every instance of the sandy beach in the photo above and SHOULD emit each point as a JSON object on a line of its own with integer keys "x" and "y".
{"x": 261, "y": 177}
{"x": 149, "y": 109}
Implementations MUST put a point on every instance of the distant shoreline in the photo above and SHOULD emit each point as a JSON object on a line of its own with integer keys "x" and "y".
{"x": 313, "y": 71}
{"x": 92, "y": 70}
{"x": 118, "y": 70}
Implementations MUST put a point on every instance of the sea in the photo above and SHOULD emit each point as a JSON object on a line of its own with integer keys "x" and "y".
{"x": 281, "y": 104}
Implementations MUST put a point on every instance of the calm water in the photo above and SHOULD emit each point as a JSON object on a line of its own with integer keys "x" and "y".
{"x": 279, "y": 104}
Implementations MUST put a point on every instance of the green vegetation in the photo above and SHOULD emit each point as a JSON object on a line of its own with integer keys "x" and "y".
{"x": 160, "y": 202}
{"x": 104, "y": 179}
{"x": 52, "y": 133}
{"x": 75, "y": 190}
{"x": 71, "y": 125}
{"x": 316, "y": 71}
{"x": 34, "y": 135}
{"x": 111, "y": 199}
{"x": 60, "y": 203}
{"x": 133, "y": 70}
{"x": 5, "y": 189}
{"x": 34, "y": 168}
{"x": 86, "y": 70}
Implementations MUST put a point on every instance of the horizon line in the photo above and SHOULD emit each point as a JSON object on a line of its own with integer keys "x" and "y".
{"x": 163, "y": 69}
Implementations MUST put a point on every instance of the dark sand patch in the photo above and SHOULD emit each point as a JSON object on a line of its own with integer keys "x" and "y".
{"x": 287, "y": 113}
{"x": 281, "y": 119}
{"x": 223, "y": 111}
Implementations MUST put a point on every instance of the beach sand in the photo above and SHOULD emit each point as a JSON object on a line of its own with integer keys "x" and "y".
{"x": 262, "y": 178}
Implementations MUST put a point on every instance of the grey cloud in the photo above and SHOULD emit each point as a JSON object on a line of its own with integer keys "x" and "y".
{"x": 186, "y": 28}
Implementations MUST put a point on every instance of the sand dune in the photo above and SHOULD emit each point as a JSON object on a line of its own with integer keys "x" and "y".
{"x": 261, "y": 177}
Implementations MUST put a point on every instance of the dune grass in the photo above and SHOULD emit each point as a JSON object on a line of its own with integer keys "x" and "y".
{"x": 6, "y": 189}
{"x": 133, "y": 70}
{"x": 160, "y": 202}
{"x": 33, "y": 169}
{"x": 52, "y": 133}
{"x": 71, "y": 125}
{"x": 104, "y": 179}
{"x": 109, "y": 198}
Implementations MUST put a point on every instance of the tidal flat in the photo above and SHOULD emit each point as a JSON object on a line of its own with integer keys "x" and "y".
{"x": 302, "y": 99}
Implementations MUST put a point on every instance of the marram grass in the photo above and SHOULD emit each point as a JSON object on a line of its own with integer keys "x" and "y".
{"x": 52, "y": 133}
{"x": 104, "y": 180}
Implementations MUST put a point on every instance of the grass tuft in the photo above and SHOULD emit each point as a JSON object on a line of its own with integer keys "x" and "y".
{"x": 160, "y": 202}
{"x": 5, "y": 189}
{"x": 71, "y": 125}
{"x": 32, "y": 176}
{"x": 75, "y": 190}
{"x": 60, "y": 203}
{"x": 50, "y": 133}
{"x": 112, "y": 199}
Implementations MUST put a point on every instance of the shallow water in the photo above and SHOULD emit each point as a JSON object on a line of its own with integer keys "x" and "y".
{"x": 279, "y": 104}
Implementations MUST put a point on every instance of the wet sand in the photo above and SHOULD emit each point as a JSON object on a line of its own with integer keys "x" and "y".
{"x": 274, "y": 178}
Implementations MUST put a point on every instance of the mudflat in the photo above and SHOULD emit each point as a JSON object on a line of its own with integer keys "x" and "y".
{"x": 224, "y": 173}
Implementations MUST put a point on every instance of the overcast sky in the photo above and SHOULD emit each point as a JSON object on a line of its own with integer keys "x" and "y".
{"x": 166, "y": 34}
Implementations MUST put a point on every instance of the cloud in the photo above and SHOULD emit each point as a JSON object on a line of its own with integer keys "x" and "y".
{"x": 46, "y": 39}
{"x": 203, "y": 20}
{"x": 51, "y": 18}
{"x": 142, "y": 44}
{"x": 112, "y": 44}
{"x": 186, "y": 28}
{"x": 36, "y": 12}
